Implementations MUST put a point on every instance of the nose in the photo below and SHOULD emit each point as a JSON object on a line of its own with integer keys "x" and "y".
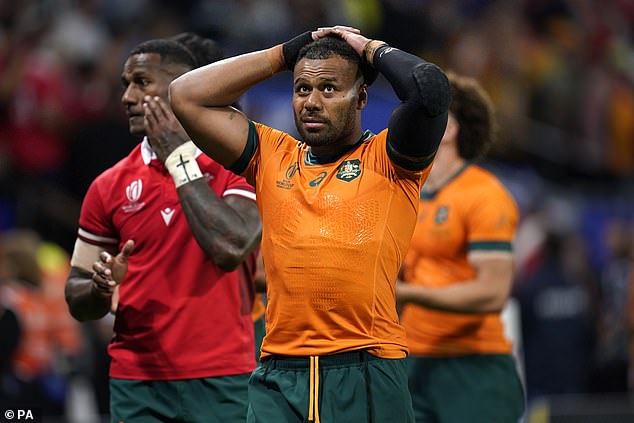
{"x": 313, "y": 101}
{"x": 129, "y": 96}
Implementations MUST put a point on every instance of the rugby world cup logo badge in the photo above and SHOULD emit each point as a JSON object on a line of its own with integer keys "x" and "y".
{"x": 133, "y": 194}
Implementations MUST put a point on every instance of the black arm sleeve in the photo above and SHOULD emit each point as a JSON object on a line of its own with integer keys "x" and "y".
{"x": 247, "y": 154}
{"x": 417, "y": 125}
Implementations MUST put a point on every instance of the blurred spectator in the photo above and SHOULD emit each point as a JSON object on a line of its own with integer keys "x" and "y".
{"x": 613, "y": 337}
{"x": 630, "y": 319}
{"x": 558, "y": 317}
{"x": 10, "y": 333}
{"x": 41, "y": 364}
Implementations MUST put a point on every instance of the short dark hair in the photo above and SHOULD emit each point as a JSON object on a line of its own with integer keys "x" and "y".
{"x": 170, "y": 51}
{"x": 327, "y": 47}
{"x": 474, "y": 111}
{"x": 204, "y": 50}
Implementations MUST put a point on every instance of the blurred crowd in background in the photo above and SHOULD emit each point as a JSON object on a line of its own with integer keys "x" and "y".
{"x": 560, "y": 72}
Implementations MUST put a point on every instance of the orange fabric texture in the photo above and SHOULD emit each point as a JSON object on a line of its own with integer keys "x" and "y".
{"x": 334, "y": 236}
{"x": 47, "y": 328}
{"x": 258, "y": 307}
{"x": 472, "y": 213}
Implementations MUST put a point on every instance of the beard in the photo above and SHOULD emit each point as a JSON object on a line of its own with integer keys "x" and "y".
{"x": 329, "y": 133}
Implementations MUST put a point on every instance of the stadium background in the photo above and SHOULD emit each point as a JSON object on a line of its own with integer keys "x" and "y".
{"x": 560, "y": 72}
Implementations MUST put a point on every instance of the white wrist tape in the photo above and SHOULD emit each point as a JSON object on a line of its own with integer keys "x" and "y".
{"x": 181, "y": 164}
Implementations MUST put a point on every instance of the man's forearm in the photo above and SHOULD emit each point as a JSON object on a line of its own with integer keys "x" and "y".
{"x": 222, "y": 233}
{"x": 465, "y": 297}
{"x": 222, "y": 83}
{"x": 83, "y": 303}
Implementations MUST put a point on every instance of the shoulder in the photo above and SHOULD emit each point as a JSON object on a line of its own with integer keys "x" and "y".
{"x": 479, "y": 185}
{"x": 112, "y": 176}
{"x": 479, "y": 179}
{"x": 271, "y": 136}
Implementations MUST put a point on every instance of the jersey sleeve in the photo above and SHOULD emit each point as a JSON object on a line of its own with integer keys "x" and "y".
{"x": 95, "y": 224}
{"x": 492, "y": 221}
{"x": 238, "y": 185}
{"x": 409, "y": 179}
{"x": 267, "y": 140}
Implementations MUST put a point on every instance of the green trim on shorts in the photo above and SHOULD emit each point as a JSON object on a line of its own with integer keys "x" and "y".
{"x": 208, "y": 400}
{"x": 353, "y": 387}
{"x": 475, "y": 389}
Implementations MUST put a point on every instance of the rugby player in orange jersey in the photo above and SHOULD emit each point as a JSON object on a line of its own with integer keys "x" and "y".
{"x": 338, "y": 210}
{"x": 460, "y": 269}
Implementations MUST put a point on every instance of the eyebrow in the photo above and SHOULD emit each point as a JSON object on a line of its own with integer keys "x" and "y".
{"x": 135, "y": 74}
{"x": 321, "y": 79}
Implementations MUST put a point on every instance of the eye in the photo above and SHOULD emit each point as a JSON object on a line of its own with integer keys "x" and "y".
{"x": 302, "y": 89}
{"x": 143, "y": 82}
{"x": 329, "y": 89}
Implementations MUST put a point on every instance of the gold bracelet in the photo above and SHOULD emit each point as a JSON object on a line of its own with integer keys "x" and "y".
{"x": 370, "y": 48}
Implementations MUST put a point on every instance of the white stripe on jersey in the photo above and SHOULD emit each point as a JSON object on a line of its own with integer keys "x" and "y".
{"x": 241, "y": 192}
{"x": 96, "y": 238}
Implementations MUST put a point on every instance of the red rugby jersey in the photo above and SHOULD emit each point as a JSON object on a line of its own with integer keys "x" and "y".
{"x": 180, "y": 316}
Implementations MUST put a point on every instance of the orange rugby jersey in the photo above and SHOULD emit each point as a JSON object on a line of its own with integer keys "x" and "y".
{"x": 334, "y": 237}
{"x": 473, "y": 212}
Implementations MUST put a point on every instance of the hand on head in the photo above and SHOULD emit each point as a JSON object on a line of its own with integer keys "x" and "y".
{"x": 351, "y": 35}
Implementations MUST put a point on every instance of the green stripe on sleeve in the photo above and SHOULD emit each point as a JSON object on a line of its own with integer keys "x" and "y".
{"x": 491, "y": 246}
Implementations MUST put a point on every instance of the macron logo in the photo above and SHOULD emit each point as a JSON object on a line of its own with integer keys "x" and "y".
{"x": 167, "y": 214}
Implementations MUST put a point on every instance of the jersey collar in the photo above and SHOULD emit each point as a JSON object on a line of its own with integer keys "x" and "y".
{"x": 148, "y": 154}
{"x": 312, "y": 160}
{"x": 429, "y": 195}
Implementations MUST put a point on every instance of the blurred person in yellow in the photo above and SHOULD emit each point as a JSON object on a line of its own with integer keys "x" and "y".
{"x": 338, "y": 209}
{"x": 458, "y": 273}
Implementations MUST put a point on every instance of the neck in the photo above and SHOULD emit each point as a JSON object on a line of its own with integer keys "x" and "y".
{"x": 339, "y": 147}
{"x": 447, "y": 163}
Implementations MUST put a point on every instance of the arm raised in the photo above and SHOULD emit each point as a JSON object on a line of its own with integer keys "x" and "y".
{"x": 200, "y": 99}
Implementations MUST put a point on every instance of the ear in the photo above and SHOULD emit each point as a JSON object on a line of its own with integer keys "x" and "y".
{"x": 362, "y": 99}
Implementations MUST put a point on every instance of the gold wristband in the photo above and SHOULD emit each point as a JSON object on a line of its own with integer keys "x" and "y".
{"x": 370, "y": 48}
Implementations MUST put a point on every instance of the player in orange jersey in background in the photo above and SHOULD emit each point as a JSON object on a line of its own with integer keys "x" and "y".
{"x": 460, "y": 270}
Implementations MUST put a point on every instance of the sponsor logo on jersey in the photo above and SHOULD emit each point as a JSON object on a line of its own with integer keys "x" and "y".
{"x": 286, "y": 183}
{"x": 349, "y": 170}
{"x": 318, "y": 179}
{"x": 442, "y": 213}
{"x": 133, "y": 194}
{"x": 167, "y": 214}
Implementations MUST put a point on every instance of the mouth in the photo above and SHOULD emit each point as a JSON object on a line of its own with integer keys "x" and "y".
{"x": 132, "y": 115}
{"x": 313, "y": 122}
